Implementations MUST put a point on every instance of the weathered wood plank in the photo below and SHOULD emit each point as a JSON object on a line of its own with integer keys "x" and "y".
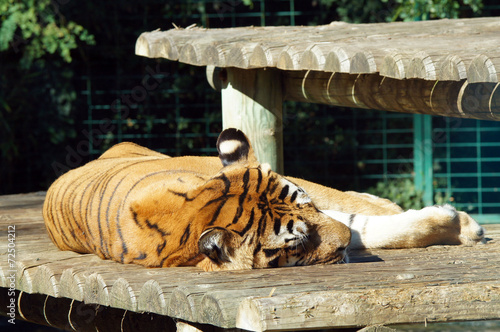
{"x": 432, "y": 50}
{"x": 376, "y": 306}
{"x": 152, "y": 299}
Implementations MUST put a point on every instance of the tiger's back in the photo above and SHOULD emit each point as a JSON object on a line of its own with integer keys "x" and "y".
{"x": 88, "y": 209}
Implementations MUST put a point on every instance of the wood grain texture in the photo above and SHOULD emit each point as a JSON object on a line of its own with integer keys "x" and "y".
{"x": 430, "y": 50}
{"x": 83, "y": 292}
{"x": 372, "y": 91}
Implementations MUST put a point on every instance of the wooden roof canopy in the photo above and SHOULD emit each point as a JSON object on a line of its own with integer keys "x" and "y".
{"x": 443, "y": 67}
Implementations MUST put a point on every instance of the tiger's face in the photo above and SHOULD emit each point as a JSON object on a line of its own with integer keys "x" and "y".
{"x": 259, "y": 219}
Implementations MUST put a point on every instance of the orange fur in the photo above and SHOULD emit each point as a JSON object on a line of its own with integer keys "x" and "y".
{"x": 134, "y": 205}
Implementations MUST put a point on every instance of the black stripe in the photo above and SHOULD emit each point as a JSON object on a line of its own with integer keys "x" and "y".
{"x": 270, "y": 252}
{"x": 84, "y": 211}
{"x": 216, "y": 200}
{"x": 260, "y": 229}
{"x": 134, "y": 217}
{"x": 294, "y": 196}
{"x": 241, "y": 199}
{"x": 180, "y": 194}
{"x": 156, "y": 228}
{"x": 160, "y": 247}
{"x": 252, "y": 238}
{"x": 227, "y": 183}
{"x": 259, "y": 179}
{"x": 289, "y": 226}
{"x": 124, "y": 245}
{"x": 230, "y": 158}
{"x": 246, "y": 176}
{"x": 351, "y": 219}
{"x": 185, "y": 235}
{"x": 277, "y": 226}
{"x": 257, "y": 249}
{"x": 216, "y": 214}
{"x": 274, "y": 262}
{"x": 108, "y": 207}
{"x": 141, "y": 256}
{"x": 148, "y": 224}
{"x": 363, "y": 232}
{"x": 63, "y": 223}
{"x": 249, "y": 223}
{"x": 284, "y": 192}
{"x": 273, "y": 186}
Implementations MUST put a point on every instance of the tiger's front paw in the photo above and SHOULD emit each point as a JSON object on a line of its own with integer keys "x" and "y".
{"x": 471, "y": 232}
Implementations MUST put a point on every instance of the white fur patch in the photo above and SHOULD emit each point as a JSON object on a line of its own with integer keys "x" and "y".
{"x": 265, "y": 168}
{"x": 381, "y": 231}
{"x": 229, "y": 147}
{"x": 301, "y": 197}
{"x": 297, "y": 236}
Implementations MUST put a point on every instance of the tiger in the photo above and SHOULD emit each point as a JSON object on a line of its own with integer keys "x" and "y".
{"x": 135, "y": 205}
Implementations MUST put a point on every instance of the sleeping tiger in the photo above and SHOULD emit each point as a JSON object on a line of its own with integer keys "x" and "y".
{"x": 134, "y": 205}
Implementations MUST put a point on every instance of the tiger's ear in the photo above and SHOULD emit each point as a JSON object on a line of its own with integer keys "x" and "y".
{"x": 217, "y": 243}
{"x": 234, "y": 147}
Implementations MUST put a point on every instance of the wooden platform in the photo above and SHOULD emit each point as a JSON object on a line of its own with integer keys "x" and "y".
{"x": 435, "y": 284}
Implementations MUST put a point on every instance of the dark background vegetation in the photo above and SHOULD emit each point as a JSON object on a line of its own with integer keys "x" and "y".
{"x": 64, "y": 65}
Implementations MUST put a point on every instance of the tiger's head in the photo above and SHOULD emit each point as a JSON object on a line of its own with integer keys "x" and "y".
{"x": 253, "y": 217}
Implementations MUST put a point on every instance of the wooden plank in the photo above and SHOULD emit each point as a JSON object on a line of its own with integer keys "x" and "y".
{"x": 431, "y": 50}
{"x": 377, "y": 306}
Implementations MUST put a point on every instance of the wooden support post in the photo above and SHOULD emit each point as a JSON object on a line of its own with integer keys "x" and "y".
{"x": 252, "y": 101}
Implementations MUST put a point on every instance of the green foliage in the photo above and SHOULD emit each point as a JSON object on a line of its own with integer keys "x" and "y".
{"x": 432, "y": 9}
{"x": 37, "y": 95}
{"x": 358, "y": 11}
{"x": 400, "y": 191}
{"x": 37, "y": 28}
{"x": 364, "y": 11}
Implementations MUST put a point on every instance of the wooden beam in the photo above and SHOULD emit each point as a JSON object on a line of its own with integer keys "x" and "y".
{"x": 358, "y": 307}
{"x": 372, "y": 91}
{"x": 252, "y": 101}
